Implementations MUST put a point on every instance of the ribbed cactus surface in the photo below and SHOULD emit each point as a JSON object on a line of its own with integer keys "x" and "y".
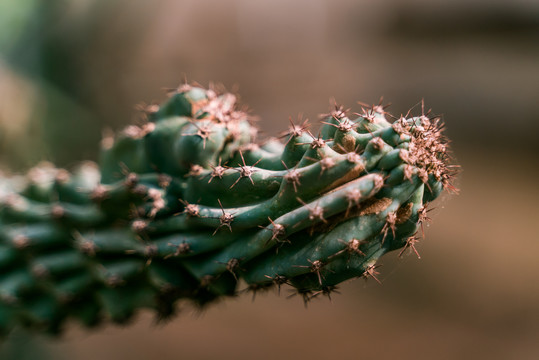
{"x": 188, "y": 204}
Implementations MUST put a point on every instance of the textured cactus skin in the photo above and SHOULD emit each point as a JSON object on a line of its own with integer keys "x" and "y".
{"x": 188, "y": 204}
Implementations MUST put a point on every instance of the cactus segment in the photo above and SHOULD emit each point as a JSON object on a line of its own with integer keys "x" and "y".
{"x": 188, "y": 205}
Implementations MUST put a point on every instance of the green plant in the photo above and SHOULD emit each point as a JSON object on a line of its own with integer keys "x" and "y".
{"x": 188, "y": 204}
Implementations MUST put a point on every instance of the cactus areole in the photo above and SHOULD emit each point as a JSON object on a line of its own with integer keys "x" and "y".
{"x": 188, "y": 204}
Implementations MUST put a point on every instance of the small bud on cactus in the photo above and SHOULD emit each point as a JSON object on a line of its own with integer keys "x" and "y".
{"x": 187, "y": 205}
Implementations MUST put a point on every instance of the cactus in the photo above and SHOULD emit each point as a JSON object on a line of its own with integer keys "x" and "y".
{"x": 186, "y": 205}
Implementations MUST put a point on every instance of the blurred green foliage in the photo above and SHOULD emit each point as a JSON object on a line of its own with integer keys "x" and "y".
{"x": 41, "y": 48}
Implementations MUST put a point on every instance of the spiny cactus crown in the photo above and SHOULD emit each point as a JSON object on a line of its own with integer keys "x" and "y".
{"x": 186, "y": 205}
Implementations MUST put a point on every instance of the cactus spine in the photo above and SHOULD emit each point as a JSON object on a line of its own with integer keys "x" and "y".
{"x": 188, "y": 204}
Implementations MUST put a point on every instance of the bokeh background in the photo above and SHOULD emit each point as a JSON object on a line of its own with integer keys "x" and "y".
{"x": 70, "y": 69}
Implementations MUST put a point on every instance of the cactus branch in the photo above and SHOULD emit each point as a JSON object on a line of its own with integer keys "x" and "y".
{"x": 188, "y": 205}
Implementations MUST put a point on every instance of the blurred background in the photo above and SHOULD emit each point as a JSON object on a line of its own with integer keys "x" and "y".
{"x": 71, "y": 69}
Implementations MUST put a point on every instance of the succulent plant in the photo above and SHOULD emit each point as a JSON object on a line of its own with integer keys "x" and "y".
{"x": 188, "y": 204}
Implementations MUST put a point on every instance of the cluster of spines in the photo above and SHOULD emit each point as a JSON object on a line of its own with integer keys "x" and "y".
{"x": 188, "y": 204}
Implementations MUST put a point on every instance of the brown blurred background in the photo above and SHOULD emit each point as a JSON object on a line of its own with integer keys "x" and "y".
{"x": 68, "y": 70}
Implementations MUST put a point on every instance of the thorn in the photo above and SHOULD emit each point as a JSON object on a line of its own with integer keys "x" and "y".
{"x": 225, "y": 219}
{"x": 352, "y": 247}
{"x": 204, "y": 132}
{"x": 326, "y": 290}
{"x": 181, "y": 249}
{"x": 277, "y": 231}
{"x": 354, "y": 158}
{"x": 379, "y": 108}
{"x": 367, "y": 114}
{"x": 231, "y": 267}
{"x": 423, "y": 217}
{"x": 245, "y": 171}
{"x": 326, "y": 163}
{"x": 314, "y": 213}
{"x": 292, "y": 177}
{"x": 191, "y": 210}
{"x": 296, "y": 130}
{"x": 370, "y": 271}
{"x": 408, "y": 172}
{"x": 343, "y": 124}
{"x": 217, "y": 171}
{"x": 315, "y": 267}
{"x": 410, "y": 244}
{"x": 354, "y": 198}
{"x": 278, "y": 280}
{"x": 391, "y": 220}
{"x": 317, "y": 143}
{"x": 338, "y": 111}
{"x": 377, "y": 143}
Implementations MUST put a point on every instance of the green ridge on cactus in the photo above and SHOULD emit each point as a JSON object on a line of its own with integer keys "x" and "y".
{"x": 187, "y": 205}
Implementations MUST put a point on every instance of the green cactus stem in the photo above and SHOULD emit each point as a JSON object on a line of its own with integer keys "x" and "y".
{"x": 188, "y": 204}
